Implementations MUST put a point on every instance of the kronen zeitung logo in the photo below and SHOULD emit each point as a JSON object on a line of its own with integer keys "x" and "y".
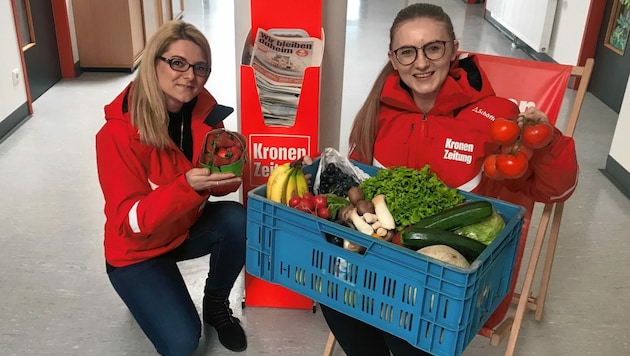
{"x": 269, "y": 151}
{"x": 458, "y": 151}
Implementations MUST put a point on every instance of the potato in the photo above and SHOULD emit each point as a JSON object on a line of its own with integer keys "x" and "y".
{"x": 446, "y": 254}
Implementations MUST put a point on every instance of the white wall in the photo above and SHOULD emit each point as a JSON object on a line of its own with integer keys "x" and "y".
{"x": 568, "y": 30}
{"x": 11, "y": 96}
{"x": 620, "y": 147}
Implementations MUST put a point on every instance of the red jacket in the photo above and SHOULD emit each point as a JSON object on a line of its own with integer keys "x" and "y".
{"x": 453, "y": 138}
{"x": 149, "y": 205}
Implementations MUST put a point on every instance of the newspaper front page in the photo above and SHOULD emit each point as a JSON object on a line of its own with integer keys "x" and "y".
{"x": 279, "y": 59}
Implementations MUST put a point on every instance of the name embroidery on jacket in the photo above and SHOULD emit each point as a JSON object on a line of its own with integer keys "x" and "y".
{"x": 483, "y": 113}
{"x": 457, "y": 151}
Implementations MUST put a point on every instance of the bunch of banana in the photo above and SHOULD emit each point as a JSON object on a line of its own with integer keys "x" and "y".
{"x": 286, "y": 181}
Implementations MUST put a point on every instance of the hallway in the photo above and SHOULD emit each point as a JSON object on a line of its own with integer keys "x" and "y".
{"x": 58, "y": 301}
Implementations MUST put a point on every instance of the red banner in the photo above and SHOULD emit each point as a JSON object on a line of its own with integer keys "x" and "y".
{"x": 528, "y": 82}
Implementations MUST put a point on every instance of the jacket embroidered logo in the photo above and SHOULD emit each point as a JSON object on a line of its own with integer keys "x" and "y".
{"x": 453, "y": 151}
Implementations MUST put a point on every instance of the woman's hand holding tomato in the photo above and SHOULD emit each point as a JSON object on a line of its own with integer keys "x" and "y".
{"x": 518, "y": 138}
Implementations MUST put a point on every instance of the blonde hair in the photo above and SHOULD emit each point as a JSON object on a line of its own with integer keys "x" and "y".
{"x": 364, "y": 127}
{"x": 148, "y": 103}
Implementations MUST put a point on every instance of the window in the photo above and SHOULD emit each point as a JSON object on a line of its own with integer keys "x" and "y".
{"x": 25, "y": 23}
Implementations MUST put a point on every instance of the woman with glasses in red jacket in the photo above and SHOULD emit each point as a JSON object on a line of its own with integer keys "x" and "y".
{"x": 157, "y": 204}
{"x": 432, "y": 105}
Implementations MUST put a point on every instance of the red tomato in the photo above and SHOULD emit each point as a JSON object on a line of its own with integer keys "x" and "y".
{"x": 512, "y": 166}
{"x": 504, "y": 131}
{"x": 538, "y": 135}
{"x": 397, "y": 238}
{"x": 490, "y": 168}
{"x": 516, "y": 147}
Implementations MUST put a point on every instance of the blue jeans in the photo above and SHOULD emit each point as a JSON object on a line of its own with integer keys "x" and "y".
{"x": 155, "y": 292}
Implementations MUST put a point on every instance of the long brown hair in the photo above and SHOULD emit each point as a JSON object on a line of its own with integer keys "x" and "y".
{"x": 364, "y": 127}
{"x": 148, "y": 104}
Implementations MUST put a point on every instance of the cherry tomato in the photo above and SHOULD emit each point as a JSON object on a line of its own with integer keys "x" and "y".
{"x": 537, "y": 135}
{"x": 516, "y": 147}
{"x": 490, "y": 168}
{"x": 504, "y": 131}
{"x": 320, "y": 201}
{"x": 512, "y": 166}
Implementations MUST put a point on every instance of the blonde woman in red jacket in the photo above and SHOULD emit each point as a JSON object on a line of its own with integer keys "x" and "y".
{"x": 156, "y": 198}
{"x": 430, "y": 105}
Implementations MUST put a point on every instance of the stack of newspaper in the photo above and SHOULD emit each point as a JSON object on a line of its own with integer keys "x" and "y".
{"x": 279, "y": 59}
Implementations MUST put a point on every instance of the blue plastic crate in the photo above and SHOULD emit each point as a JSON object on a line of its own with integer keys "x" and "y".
{"x": 435, "y": 306}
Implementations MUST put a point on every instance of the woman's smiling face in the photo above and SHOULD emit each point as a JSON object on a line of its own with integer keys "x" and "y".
{"x": 181, "y": 87}
{"x": 423, "y": 76}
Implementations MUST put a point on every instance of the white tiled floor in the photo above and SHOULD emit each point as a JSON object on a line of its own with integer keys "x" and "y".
{"x": 56, "y": 299}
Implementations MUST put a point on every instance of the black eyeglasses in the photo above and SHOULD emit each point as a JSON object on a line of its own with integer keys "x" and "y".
{"x": 181, "y": 65}
{"x": 432, "y": 51}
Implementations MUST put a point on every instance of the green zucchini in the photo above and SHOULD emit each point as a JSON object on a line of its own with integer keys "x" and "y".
{"x": 467, "y": 213}
{"x": 419, "y": 237}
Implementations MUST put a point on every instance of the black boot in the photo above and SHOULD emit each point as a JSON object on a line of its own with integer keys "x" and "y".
{"x": 217, "y": 313}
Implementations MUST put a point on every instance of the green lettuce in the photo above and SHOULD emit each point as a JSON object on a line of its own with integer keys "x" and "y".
{"x": 411, "y": 194}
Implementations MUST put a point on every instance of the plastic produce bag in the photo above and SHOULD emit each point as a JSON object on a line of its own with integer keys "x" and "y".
{"x": 330, "y": 155}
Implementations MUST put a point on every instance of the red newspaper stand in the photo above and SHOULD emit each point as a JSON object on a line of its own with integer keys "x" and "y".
{"x": 269, "y": 146}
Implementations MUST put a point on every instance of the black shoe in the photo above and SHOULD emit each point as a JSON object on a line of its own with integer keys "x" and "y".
{"x": 217, "y": 313}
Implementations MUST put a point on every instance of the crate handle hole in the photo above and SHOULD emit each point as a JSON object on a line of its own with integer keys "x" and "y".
{"x": 445, "y": 308}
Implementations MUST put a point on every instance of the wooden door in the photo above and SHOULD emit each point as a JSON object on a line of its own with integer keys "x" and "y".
{"x": 151, "y": 11}
{"x": 39, "y": 43}
{"x": 167, "y": 11}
